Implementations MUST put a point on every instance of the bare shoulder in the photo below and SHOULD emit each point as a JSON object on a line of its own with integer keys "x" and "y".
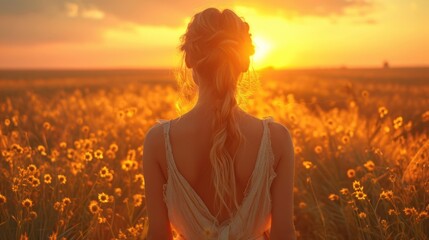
{"x": 154, "y": 136}
{"x": 281, "y": 140}
{"x": 278, "y": 130}
{"x": 153, "y": 144}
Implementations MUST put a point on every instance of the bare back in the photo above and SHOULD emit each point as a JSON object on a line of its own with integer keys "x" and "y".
{"x": 189, "y": 144}
{"x": 190, "y": 141}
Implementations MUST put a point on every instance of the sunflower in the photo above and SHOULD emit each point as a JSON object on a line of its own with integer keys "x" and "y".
{"x": 103, "y": 198}
{"x": 27, "y": 203}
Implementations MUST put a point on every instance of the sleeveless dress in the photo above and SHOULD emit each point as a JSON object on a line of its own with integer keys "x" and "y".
{"x": 190, "y": 218}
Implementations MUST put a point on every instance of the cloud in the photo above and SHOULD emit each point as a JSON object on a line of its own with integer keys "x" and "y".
{"x": 168, "y": 12}
{"x": 47, "y": 21}
{"x": 39, "y": 21}
{"x": 321, "y": 8}
{"x": 30, "y": 29}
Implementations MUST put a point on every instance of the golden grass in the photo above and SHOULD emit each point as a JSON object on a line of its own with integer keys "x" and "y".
{"x": 70, "y": 163}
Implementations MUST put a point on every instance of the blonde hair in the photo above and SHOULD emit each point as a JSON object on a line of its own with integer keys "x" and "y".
{"x": 217, "y": 45}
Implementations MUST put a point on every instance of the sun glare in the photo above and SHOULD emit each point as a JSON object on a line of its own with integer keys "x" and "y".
{"x": 262, "y": 49}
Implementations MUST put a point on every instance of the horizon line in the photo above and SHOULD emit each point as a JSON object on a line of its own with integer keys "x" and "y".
{"x": 341, "y": 67}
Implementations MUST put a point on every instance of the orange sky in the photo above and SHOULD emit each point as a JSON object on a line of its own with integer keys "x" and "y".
{"x": 145, "y": 34}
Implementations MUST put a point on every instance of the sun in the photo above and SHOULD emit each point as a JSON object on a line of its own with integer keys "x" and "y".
{"x": 262, "y": 49}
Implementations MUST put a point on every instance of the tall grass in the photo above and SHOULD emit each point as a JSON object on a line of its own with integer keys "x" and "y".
{"x": 70, "y": 163}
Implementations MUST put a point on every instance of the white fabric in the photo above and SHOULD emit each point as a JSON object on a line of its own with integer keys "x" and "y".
{"x": 190, "y": 217}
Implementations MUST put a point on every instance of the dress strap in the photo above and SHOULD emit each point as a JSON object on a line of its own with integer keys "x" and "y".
{"x": 268, "y": 146}
{"x": 166, "y": 128}
{"x": 265, "y": 121}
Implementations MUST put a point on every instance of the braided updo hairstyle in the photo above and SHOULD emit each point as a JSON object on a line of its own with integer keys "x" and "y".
{"x": 217, "y": 46}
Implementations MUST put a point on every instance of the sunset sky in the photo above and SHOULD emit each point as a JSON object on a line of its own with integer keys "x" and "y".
{"x": 145, "y": 33}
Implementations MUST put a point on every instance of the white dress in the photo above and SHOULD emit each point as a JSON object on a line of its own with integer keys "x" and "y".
{"x": 190, "y": 217}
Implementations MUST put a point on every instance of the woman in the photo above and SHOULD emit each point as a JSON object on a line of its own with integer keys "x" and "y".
{"x": 217, "y": 172}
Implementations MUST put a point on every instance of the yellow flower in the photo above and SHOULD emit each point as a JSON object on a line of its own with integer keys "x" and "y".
{"x": 35, "y": 182}
{"x": 118, "y": 192}
{"x": 362, "y": 215}
{"x": 138, "y": 200}
{"x": 318, "y": 149}
{"x": 357, "y": 186}
{"x": 132, "y": 231}
{"x": 126, "y": 165}
{"x": 307, "y": 164}
{"x": 423, "y": 215}
{"x": 93, "y": 207}
{"x": 102, "y": 220}
{"x": 76, "y": 167}
{"x": 104, "y": 171}
{"x": 77, "y": 144}
{"x": 383, "y": 223}
{"x": 87, "y": 156}
{"x": 58, "y": 206}
{"x": 113, "y": 147}
{"x": 23, "y": 237}
{"x": 3, "y": 199}
{"x": 345, "y": 139}
{"x": 7, "y": 122}
{"x": 410, "y": 211}
{"x": 109, "y": 176}
{"x": 47, "y": 178}
{"x": 360, "y": 195}
{"x": 392, "y": 177}
{"x": 386, "y": 195}
{"x": 139, "y": 177}
{"x": 62, "y": 179}
{"x": 41, "y": 148}
{"x": 32, "y": 168}
{"x": 351, "y": 173}
{"x": 27, "y": 203}
{"x": 66, "y": 201}
{"x": 382, "y": 111}
{"x": 392, "y": 212}
{"x": 122, "y": 235}
{"x": 70, "y": 153}
{"x": 131, "y": 154}
{"x": 102, "y": 197}
{"x": 47, "y": 125}
{"x": 53, "y": 236}
{"x": 369, "y": 165}
{"x": 386, "y": 129}
{"x": 85, "y": 129}
{"x": 397, "y": 122}
{"x": 344, "y": 191}
{"x": 98, "y": 154}
{"x": 63, "y": 145}
{"x": 333, "y": 197}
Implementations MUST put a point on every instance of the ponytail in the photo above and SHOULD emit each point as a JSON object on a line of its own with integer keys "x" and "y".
{"x": 226, "y": 139}
{"x": 217, "y": 45}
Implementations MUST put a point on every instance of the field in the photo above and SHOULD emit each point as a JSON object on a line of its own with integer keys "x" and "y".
{"x": 71, "y": 149}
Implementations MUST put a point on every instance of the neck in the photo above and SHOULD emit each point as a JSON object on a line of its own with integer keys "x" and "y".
{"x": 207, "y": 99}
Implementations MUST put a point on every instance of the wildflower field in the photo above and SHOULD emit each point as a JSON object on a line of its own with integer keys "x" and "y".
{"x": 71, "y": 149}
